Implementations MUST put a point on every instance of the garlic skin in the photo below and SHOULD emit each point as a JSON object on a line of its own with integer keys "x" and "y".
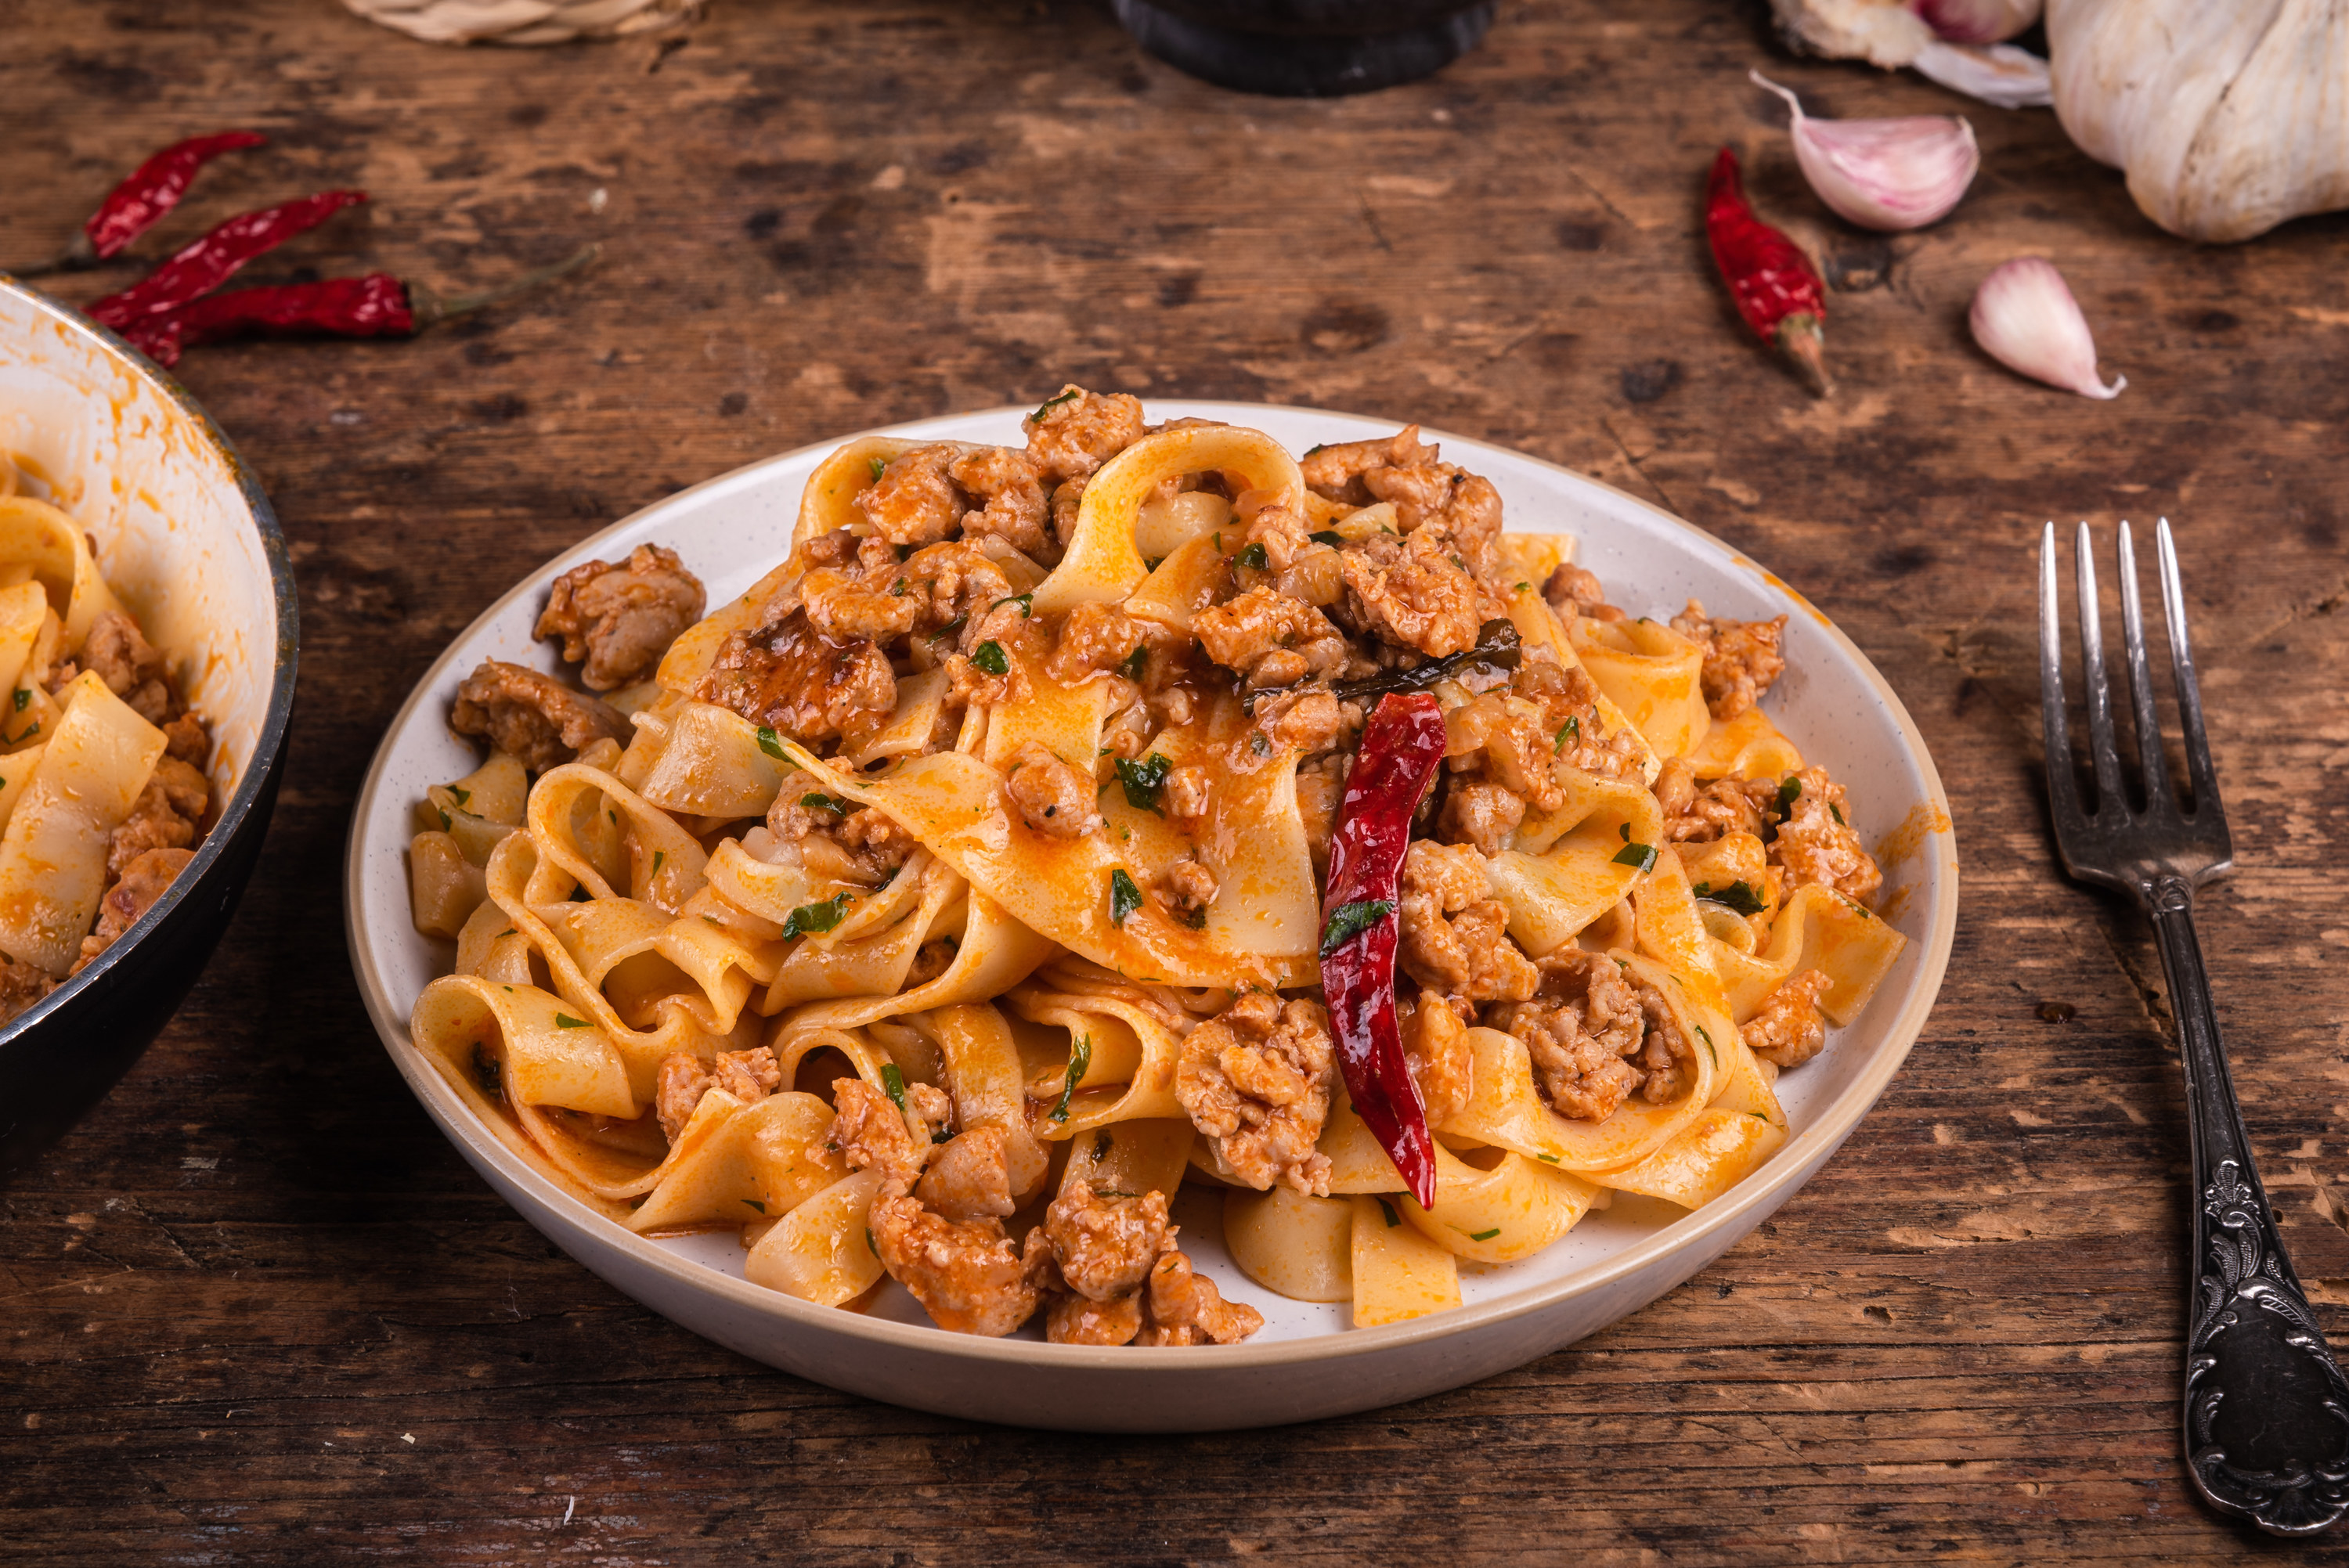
{"x": 1884, "y": 174}
{"x": 1976, "y": 21}
{"x": 2228, "y": 119}
{"x": 2024, "y": 317}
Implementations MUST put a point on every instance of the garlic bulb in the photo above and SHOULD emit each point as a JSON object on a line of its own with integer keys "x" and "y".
{"x": 1884, "y": 174}
{"x": 2024, "y": 317}
{"x": 1888, "y": 33}
{"x": 2227, "y": 119}
{"x": 1976, "y": 21}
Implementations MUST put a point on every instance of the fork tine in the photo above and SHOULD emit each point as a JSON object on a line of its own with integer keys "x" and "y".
{"x": 2150, "y": 762}
{"x": 2062, "y": 793}
{"x": 2189, "y": 692}
{"x": 2103, "y": 750}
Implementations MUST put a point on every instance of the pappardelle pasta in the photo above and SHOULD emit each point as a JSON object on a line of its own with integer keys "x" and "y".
{"x": 940, "y": 907}
{"x": 102, "y": 789}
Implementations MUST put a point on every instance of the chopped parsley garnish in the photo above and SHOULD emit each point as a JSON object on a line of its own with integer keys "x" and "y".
{"x": 1259, "y": 744}
{"x": 868, "y": 1242}
{"x": 1254, "y": 556}
{"x": 988, "y": 656}
{"x": 1639, "y": 857}
{"x": 1737, "y": 896}
{"x": 1570, "y": 730}
{"x": 1349, "y": 921}
{"x": 1051, "y": 402}
{"x": 1317, "y": 447}
{"x": 31, "y": 730}
{"x": 1136, "y": 663}
{"x": 1708, "y": 1045}
{"x": 445, "y": 823}
{"x": 1484, "y": 1235}
{"x": 565, "y": 1021}
{"x": 895, "y": 1082}
{"x": 24, "y": 699}
{"x": 463, "y": 797}
{"x": 485, "y": 1069}
{"x": 1625, "y": 830}
{"x": 1547, "y": 1159}
{"x": 1079, "y": 1060}
{"x": 1145, "y": 781}
{"x": 817, "y": 800}
{"x": 1124, "y": 898}
{"x": 897, "y": 588}
{"x": 822, "y": 916}
{"x": 1387, "y": 1210}
{"x": 880, "y": 466}
{"x": 754, "y": 1203}
{"x": 949, "y": 629}
{"x": 1027, "y": 602}
{"x": 1329, "y": 536}
{"x": 1788, "y": 793}
{"x": 658, "y": 856}
{"x": 769, "y": 742}
{"x": 1836, "y": 812}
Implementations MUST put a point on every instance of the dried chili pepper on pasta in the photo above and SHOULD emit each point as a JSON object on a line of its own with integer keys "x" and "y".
{"x": 1776, "y": 287}
{"x": 1401, "y": 746}
{"x": 375, "y": 305}
{"x": 203, "y": 265}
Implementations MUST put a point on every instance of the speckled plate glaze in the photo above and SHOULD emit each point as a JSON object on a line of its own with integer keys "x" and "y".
{"x": 1307, "y": 1362}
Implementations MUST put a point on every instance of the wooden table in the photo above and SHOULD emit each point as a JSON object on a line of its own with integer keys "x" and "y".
{"x": 258, "y": 1311}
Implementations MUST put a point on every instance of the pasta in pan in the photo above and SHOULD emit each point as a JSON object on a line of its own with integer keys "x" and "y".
{"x": 941, "y": 907}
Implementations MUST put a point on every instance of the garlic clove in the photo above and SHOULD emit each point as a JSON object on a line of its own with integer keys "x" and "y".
{"x": 1887, "y": 174}
{"x": 1976, "y": 21}
{"x": 2024, "y": 317}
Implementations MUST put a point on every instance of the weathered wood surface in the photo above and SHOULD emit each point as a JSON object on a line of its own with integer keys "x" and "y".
{"x": 257, "y": 1311}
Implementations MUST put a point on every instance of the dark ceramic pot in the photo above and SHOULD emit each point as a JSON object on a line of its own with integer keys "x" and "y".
{"x": 208, "y": 547}
{"x": 1306, "y": 49}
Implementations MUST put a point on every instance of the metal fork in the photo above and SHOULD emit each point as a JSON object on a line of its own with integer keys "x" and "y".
{"x": 2267, "y": 1409}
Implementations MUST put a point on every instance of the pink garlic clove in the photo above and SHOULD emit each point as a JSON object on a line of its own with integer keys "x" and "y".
{"x": 1887, "y": 174}
{"x": 2024, "y": 317}
{"x": 1976, "y": 21}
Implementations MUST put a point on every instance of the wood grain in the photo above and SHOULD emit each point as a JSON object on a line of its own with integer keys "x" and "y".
{"x": 257, "y": 1311}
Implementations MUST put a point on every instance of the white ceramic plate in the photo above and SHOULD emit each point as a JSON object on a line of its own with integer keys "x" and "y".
{"x": 1306, "y": 1362}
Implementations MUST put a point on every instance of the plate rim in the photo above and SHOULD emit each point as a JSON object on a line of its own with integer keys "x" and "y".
{"x": 1810, "y": 1146}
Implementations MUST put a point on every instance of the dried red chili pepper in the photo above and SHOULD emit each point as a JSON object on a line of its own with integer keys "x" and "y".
{"x": 1401, "y": 746}
{"x": 136, "y": 205}
{"x": 203, "y": 265}
{"x": 1777, "y": 290}
{"x": 375, "y": 305}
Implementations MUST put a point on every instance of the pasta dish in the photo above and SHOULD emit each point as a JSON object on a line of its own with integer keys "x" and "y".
{"x": 102, "y": 789}
{"x": 1140, "y": 812}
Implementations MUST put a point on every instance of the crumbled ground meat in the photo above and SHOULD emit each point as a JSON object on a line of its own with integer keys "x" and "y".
{"x": 1074, "y": 1320}
{"x": 1068, "y": 505}
{"x": 793, "y": 679}
{"x": 1465, "y": 506}
{"x": 970, "y": 1177}
{"x": 1568, "y": 700}
{"x": 1321, "y": 785}
{"x": 1598, "y": 1034}
{"x": 1455, "y": 936}
{"x": 1696, "y": 814}
{"x": 869, "y": 598}
{"x": 932, "y": 959}
{"x": 957, "y": 581}
{"x": 1788, "y": 1028}
{"x": 915, "y": 501}
{"x": 621, "y": 619}
{"x": 1815, "y": 844}
{"x": 1257, "y": 1080}
{"x": 22, "y": 986}
{"x": 930, "y": 1110}
{"x": 186, "y": 738}
{"x": 1185, "y": 1308}
{"x": 1305, "y": 569}
{"x": 681, "y": 1080}
{"x": 1574, "y": 591}
{"x": 1502, "y": 757}
{"x": 1187, "y": 793}
{"x": 870, "y": 1134}
{"x": 1097, "y": 639}
{"x": 1010, "y": 493}
{"x": 1305, "y": 718}
{"x": 531, "y": 715}
{"x": 1272, "y": 639}
{"x": 1049, "y": 795}
{"x": 964, "y": 1275}
{"x": 164, "y": 817}
{"x": 1104, "y": 1246}
{"x": 144, "y": 881}
{"x": 1336, "y": 472}
{"x": 121, "y": 655}
{"x": 1481, "y": 813}
{"x": 1412, "y": 593}
{"x": 1185, "y": 889}
{"x": 1069, "y": 437}
{"x": 863, "y": 845}
{"x": 1741, "y": 657}
{"x": 1435, "y": 1044}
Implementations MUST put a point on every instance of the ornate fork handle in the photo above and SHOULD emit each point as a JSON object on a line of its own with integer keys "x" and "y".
{"x": 2267, "y": 1409}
